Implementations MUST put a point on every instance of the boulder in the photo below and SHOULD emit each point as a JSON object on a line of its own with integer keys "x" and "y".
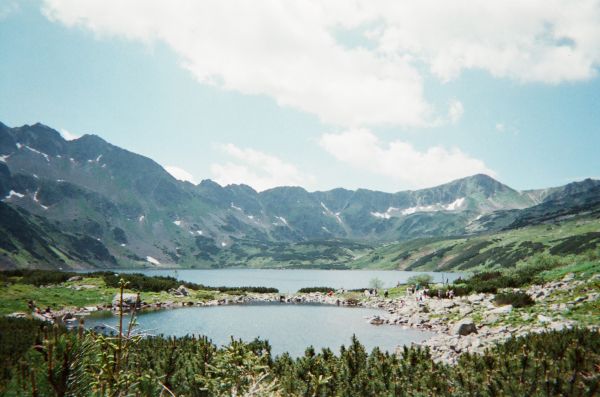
{"x": 376, "y": 320}
{"x": 464, "y": 327}
{"x": 182, "y": 291}
{"x": 75, "y": 278}
{"x": 448, "y": 304}
{"x": 128, "y": 299}
{"x": 543, "y": 319}
{"x": 491, "y": 319}
{"x": 476, "y": 298}
{"x": 465, "y": 311}
{"x": 501, "y": 310}
{"x": 416, "y": 320}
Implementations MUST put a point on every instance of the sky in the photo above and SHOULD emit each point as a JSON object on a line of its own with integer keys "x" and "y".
{"x": 383, "y": 95}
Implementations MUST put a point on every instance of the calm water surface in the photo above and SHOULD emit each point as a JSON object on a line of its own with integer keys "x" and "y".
{"x": 288, "y": 328}
{"x": 292, "y": 280}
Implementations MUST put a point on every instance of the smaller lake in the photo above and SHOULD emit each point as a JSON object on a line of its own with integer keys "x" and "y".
{"x": 291, "y": 280}
{"x": 288, "y": 328}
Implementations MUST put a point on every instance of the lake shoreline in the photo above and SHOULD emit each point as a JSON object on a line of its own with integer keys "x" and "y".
{"x": 467, "y": 324}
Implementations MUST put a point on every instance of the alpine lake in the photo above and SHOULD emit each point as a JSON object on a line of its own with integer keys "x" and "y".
{"x": 288, "y": 327}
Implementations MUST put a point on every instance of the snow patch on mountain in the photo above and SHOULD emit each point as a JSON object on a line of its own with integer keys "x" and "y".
{"x": 393, "y": 211}
{"x": 38, "y": 152}
{"x": 236, "y": 208}
{"x": 35, "y": 198}
{"x": 4, "y": 157}
{"x": 385, "y": 215}
{"x": 336, "y": 215}
{"x": 141, "y": 218}
{"x": 282, "y": 219}
{"x": 12, "y": 194}
{"x": 453, "y": 206}
{"x": 177, "y": 222}
{"x": 152, "y": 260}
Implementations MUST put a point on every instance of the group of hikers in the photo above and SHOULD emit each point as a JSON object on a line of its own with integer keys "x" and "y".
{"x": 420, "y": 293}
{"x": 423, "y": 293}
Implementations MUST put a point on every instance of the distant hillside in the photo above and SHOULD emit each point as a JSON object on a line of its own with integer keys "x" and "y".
{"x": 487, "y": 251}
{"x": 124, "y": 209}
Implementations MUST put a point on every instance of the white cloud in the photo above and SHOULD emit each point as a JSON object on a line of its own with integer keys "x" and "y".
{"x": 69, "y": 136}
{"x": 180, "y": 173}
{"x": 293, "y": 51}
{"x": 455, "y": 111}
{"x": 260, "y": 170}
{"x": 399, "y": 160}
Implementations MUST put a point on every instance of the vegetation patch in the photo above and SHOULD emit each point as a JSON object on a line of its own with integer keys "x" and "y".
{"x": 516, "y": 299}
{"x": 307, "y": 290}
{"x": 87, "y": 364}
{"x": 577, "y": 243}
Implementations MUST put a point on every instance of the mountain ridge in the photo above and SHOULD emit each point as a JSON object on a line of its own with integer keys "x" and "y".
{"x": 93, "y": 188}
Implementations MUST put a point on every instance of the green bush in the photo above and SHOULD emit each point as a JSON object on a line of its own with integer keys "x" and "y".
{"x": 557, "y": 363}
{"x": 17, "y": 335}
{"x": 37, "y": 277}
{"x": 140, "y": 282}
{"x": 526, "y": 274}
{"x": 516, "y": 299}
{"x": 420, "y": 279}
{"x": 307, "y": 290}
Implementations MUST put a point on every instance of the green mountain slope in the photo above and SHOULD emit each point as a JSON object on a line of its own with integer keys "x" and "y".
{"x": 487, "y": 251}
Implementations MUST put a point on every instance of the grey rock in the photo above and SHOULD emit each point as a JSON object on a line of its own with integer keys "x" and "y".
{"x": 543, "y": 319}
{"x": 465, "y": 311}
{"x": 376, "y": 320}
{"x": 416, "y": 320}
{"x": 464, "y": 327}
{"x": 502, "y": 310}
{"x": 128, "y": 299}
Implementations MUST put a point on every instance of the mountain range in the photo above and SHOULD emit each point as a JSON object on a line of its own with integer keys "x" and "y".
{"x": 88, "y": 203}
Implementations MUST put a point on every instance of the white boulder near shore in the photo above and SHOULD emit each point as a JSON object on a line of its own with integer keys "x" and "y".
{"x": 128, "y": 299}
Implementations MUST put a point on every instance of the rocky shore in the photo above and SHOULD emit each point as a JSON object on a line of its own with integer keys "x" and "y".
{"x": 463, "y": 324}
{"x": 474, "y": 323}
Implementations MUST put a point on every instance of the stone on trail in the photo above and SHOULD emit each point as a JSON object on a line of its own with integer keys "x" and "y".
{"x": 464, "y": 327}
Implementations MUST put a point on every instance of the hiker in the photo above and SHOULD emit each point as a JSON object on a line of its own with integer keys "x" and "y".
{"x": 385, "y": 293}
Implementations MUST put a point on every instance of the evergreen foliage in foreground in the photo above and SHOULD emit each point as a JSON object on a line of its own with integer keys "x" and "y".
{"x": 86, "y": 364}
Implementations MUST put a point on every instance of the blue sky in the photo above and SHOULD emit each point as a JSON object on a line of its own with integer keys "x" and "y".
{"x": 344, "y": 95}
